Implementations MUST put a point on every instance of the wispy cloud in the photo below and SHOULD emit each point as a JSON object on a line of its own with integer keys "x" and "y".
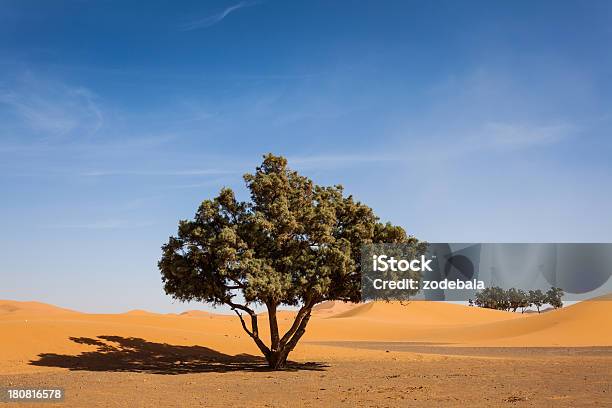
{"x": 51, "y": 109}
{"x": 505, "y": 137}
{"x": 191, "y": 172}
{"x": 341, "y": 160}
{"x": 515, "y": 136}
{"x": 103, "y": 225}
{"x": 216, "y": 18}
{"x": 208, "y": 183}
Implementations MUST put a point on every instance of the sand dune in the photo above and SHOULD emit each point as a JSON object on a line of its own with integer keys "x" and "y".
{"x": 425, "y": 313}
{"x": 30, "y": 328}
{"x": 139, "y": 312}
{"x": 196, "y": 313}
{"x": 331, "y": 308}
{"x": 18, "y": 307}
{"x": 583, "y": 324}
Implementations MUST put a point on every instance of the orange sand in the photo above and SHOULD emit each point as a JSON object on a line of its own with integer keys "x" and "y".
{"x": 30, "y": 328}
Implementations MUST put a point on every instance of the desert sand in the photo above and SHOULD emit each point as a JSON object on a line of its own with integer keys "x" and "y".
{"x": 374, "y": 354}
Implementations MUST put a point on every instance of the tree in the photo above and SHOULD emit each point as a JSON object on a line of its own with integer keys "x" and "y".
{"x": 512, "y": 299}
{"x": 554, "y": 296}
{"x": 492, "y": 298}
{"x": 484, "y": 299}
{"x": 294, "y": 243}
{"x": 516, "y": 298}
{"x": 537, "y": 298}
{"x": 524, "y": 300}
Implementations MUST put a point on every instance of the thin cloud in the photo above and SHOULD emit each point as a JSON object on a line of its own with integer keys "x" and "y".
{"x": 99, "y": 147}
{"x": 192, "y": 172}
{"x": 216, "y": 18}
{"x": 52, "y": 109}
{"x": 109, "y": 224}
{"x": 209, "y": 183}
{"x": 340, "y": 160}
{"x": 516, "y": 136}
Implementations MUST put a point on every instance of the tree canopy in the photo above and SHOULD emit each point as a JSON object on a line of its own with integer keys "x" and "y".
{"x": 512, "y": 299}
{"x": 294, "y": 243}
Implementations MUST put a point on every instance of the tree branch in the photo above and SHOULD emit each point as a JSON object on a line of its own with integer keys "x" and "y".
{"x": 298, "y": 333}
{"x": 244, "y": 326}
{"x": 237, "y": 282}
{"x": 244, "y": 308}
{"x": 254, "y": 332}
{"x": 304, "y": 310}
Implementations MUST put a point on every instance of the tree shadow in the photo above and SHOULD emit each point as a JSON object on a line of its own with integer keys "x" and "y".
{"x": 131, "y": 354}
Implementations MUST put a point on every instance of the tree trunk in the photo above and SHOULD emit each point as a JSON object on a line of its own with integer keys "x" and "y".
{"x": 279, "y": 350}
{"x": 277, "y": 359}
{"x": 274, "y": 337}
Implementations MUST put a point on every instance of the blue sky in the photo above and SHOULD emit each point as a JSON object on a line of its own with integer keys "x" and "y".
{"x": 461, "y": 121}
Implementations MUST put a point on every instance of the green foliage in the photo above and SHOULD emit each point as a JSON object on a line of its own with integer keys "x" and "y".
{"x": 492, "y": 298}
{"x": 537, "y": 298}
{"x": 517, "y": 298}
{"x": 554, "y": 296}
{"x": 294, "y": 243}
{"x": 513, "y": 299}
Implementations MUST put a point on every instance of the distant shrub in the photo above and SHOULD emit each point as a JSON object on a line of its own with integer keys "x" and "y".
{"x": 514, "y": 299}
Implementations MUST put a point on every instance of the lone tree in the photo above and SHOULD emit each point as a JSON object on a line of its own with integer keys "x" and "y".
{"x": 294, "y": 243}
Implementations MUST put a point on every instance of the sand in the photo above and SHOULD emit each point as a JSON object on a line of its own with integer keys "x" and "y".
{"x": 375, "y": 354}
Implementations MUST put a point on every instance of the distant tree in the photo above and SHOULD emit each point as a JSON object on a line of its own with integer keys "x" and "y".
{"x": 516, "y": 298}
{"x": 513, "y": 299}
{"x": 524, "y": 300}
{"x": 501, "y": 298}
{"x": 554, "y": 296}
{"x": 484, "y": 299}
{"x": 537, "y": 298}
{"x": 492, "y": 298}
{"x": 294, "y": 243}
